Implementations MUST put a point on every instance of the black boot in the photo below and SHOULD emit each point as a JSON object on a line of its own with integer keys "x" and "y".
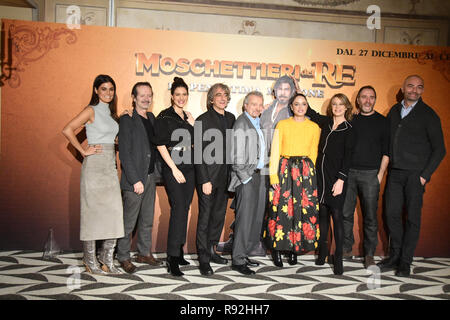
{"x": 173, "y": 266}
{"x": 338, "y": 265}
{"x": 181, "y": 260}
{"x": 389, "y": 263}
{"x": 292, "y": 258}
{"x": 276, "y": 256}
{"x": 323, "y": 253}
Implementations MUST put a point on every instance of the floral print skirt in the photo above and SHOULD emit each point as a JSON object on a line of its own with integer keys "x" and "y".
{"x": 293, "y": 218}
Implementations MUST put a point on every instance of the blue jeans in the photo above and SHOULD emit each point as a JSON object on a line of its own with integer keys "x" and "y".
{"x": 365, "y": 184}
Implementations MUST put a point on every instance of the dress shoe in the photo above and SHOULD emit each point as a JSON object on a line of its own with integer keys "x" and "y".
{"x": 173, "y": 266}
{"x": 151, "y": 260}
{"x": 258, "y": 251}
{"x": 292, "y": 258}
{"x": 128, "y": 266}
{"x": 242, "y": 268}
{"x": 276, "y": 257}
{"x": 251, "y": 263}
{"x": 368, "y": 262}
{"x": 226, "y": 246}
{"x": 181, "y": 260}
{"x": 216, "y": 258}
{"x": 389, "y": 263}
{"x": 205, "y": 269}
{"x": 348, "y": 255}
{"x": 404, "y": 269}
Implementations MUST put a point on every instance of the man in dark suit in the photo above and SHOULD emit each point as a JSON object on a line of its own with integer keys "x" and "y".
{"x": 416, "y": 149}
{"x": 212, "y": 174}
{"x": 137, "y": 157}
{"x": 248, "y": 153}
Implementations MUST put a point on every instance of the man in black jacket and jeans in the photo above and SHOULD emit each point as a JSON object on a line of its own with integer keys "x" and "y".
{"x": 416, "y": 149}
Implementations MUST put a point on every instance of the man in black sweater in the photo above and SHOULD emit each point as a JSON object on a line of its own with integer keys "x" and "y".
{"x": 416, "y": 149}
{"x": 369, "y": 163}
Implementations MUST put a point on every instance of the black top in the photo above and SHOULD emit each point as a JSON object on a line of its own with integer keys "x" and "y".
{"x": 222, "y": 120}
{"x": 417, "y": 141}
{"x": 371, "y": 141}
{"x": 177, "y": 135}
{"x": 150, "y": 134}
{"x": 334, "y": 157}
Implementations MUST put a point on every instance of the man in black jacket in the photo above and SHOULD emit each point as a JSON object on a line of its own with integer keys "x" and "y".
{"x": 137, "y": 158}
{"x": 416, "y": 149}
{"x": 212, "y": 174}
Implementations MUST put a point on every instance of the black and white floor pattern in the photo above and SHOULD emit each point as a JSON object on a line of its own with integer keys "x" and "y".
{"x": 24, "y": 275}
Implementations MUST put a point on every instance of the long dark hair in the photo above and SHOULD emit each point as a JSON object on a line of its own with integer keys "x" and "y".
{"x": 99, "y": 80}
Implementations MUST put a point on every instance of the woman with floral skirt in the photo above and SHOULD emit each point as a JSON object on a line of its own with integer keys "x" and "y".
{"x": 293, "y": 214}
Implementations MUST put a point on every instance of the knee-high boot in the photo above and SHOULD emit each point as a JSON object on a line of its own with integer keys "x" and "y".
{"x": 323, "y": 253}
{"x": 106, "y": 257}
{"x": 90, "y": 259}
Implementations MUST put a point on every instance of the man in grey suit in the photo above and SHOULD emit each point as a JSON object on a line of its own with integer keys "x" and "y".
{"x": 248, "y": 158}
{"x": 137, "y": 157}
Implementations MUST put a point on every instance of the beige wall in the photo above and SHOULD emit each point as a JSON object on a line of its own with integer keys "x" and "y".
{"x": 16, "y": 13}
{"x": 425, "y": 23}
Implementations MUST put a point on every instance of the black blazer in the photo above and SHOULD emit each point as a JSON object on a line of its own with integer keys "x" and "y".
{"x": 334, "y": 156}
{"x": 134, "y": 150}
{"x": 216, "y": 173}
{"x": 417, "y": 141}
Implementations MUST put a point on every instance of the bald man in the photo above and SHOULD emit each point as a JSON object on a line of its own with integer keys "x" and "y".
{"x": 416, "y": 149}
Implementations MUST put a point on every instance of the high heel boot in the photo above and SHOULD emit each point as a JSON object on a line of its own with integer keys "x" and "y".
{"x": 173, "y": 266}
{"x": 181, "y": 260}
{"x": 106, "y": 257}
{"x": 276, "y": 256}
{"x": 323, "y": 253}
{"x": 292, "y": 258}
{"x": 338, "y": 267}
{"x": 89, "y": 258}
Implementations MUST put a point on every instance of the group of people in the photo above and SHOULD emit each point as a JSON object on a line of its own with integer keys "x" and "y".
{"x": 290, "y": 168}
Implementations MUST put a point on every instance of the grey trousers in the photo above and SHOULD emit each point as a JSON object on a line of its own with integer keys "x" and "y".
{"x": 138, "y": 209}
{"x": 251, "y": 201}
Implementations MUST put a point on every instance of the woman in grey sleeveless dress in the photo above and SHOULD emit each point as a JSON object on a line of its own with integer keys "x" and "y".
{"x": 101, "y": 216}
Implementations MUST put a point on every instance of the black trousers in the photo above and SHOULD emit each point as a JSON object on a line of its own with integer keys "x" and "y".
{"x": 180, "y": 198}
{"x": 403, "y": 188}
{"x": 325, "y": 212}
{"x": 211, "y": 217}
{"x": 362, "y": 183}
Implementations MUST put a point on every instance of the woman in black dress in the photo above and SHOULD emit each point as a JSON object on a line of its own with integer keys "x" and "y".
{"x": 174, "y": 133}
{"x": 333, "y": 161}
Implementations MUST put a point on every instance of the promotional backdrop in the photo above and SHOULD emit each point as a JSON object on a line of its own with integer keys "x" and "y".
{"x": 47, "y": 75}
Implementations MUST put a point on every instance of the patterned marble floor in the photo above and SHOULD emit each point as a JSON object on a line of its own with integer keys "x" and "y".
{"x": 24, "y": 275}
